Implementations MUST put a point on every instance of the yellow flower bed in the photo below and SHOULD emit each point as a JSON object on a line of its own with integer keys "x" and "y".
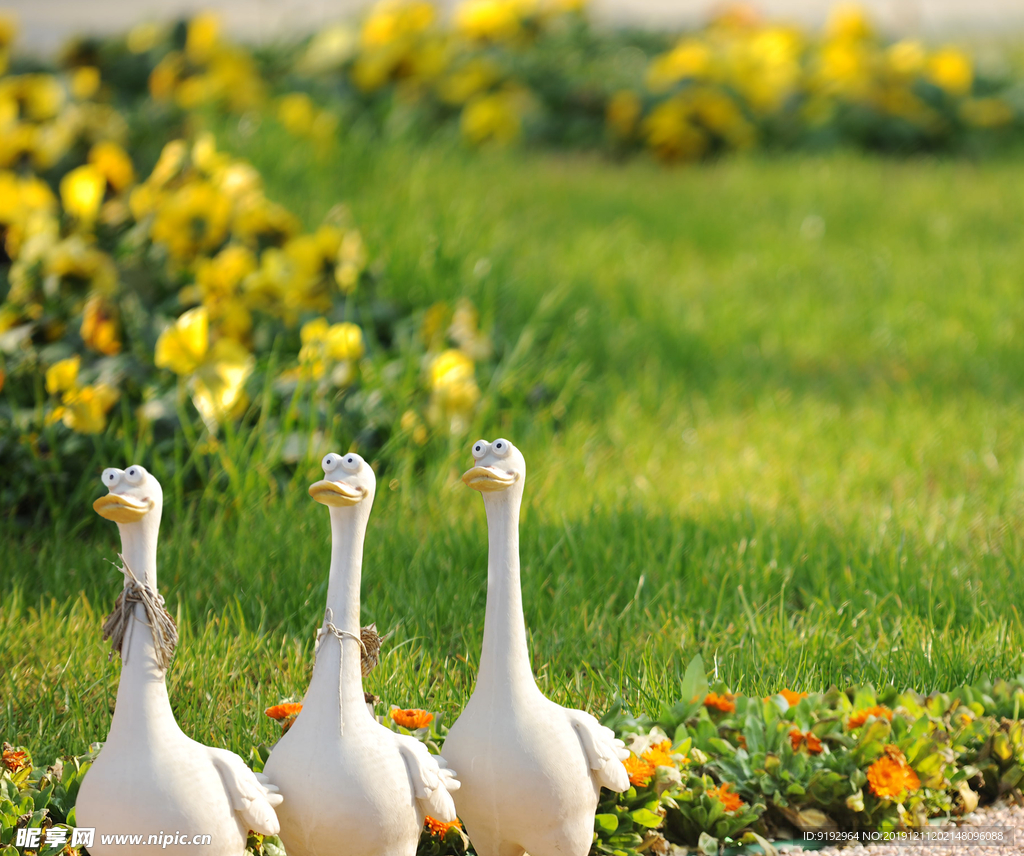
{"x": 163, "y": 306}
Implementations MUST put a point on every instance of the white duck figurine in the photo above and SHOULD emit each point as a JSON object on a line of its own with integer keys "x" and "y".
{"x": 350, "y": 784}
{"x": 150, "y": 778}
{"x": 531, "y": 771}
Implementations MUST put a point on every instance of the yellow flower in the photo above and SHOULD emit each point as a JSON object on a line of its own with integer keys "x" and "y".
{"x": 85, "y": 410}
{"x": 623, "y": 111}
{"x": 454, "y": 392}
{"x": 81, "y": 192}
{"x": 296, "y": 111}
{"x": 143, "y": 37}
{"x": 491, "y": 20}
{"x": 344, "y": 342}
{"x": 169, "y": 164}
{"x": 950, "y": 69}
{"x": 113, "y": 162}
{"x": 493, "y": 116}
{"x": 192, "y": 219}
{"x": 906, "y": 57}
{"x": 351, "y": 261}
{"x": 323, "y": 343}
{"x": 391, "y": 20}
{"x": 85, "y": 82}
{"x": 462, "y": 83}
{"x": 689, "y": 59}
{"x": 42, "y": 96}
{"x": 62, "y": 375}
{"x": 329, "y": 49}
{"x": 183, "y": 345}
{"x": 218, "y": 386}
{"x": 848, "y": 22}
{"x": 76, "y": 257}
{"x": 99, "y": 327}
{"x": 671, "y": 133}
{"x": 203, "y": 36}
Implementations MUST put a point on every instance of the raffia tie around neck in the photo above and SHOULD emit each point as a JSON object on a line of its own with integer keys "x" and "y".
{"x": 118, "y": 623}
{"x": 369, "y": 641}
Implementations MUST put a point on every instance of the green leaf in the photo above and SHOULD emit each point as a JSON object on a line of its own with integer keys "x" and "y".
{"x": 695, "y": 681}
{"x": 646, "y": 817}
{"x": 606, "y": 823}
{"x": 707, "y": 844}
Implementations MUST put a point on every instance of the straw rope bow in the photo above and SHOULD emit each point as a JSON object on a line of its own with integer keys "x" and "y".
{"x": 369, "y": 641}
{"x": 118, "y": 623}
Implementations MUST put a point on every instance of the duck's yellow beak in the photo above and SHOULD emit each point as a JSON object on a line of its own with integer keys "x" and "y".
{"x": 335, "y": 494}
{"x": 122, "y": 509}
{"x": 486, "y": 479}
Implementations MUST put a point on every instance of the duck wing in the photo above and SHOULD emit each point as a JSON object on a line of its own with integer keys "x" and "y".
{"x": 431, "y": 779}
{"x": 250, "y": 794}
{"x": 604, "y": 751}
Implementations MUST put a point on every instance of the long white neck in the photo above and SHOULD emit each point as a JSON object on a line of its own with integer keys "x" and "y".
{"x": 143, "y": 711}
{"x": 336, "y": 688}
{"x": 505, "y": 658}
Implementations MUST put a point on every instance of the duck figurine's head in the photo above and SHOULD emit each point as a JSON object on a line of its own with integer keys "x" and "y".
{"x": 134, "y": 496}
{"x": 499, "y": 469}
{"x": 348, "y": 481}
{"x": 134, "y": 502}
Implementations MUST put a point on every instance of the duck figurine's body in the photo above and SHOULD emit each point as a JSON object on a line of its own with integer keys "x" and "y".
{"x": 150, "y": 778}
{"x": 531, "y": 771}
{"x": 351, "y": 786}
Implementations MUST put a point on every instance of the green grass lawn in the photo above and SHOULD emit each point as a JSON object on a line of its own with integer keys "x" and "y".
{"x": 774, "y": 416}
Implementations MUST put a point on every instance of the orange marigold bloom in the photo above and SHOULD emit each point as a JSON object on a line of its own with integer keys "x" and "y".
{"x": 283, "y": 711}
{"x": 730, "y": 801}
{"x": 439, "y": 827}
{"x": 791, "y": 697}
{"x": 14, "y": 759}
{"x": 858, "y": 718}
{"x": 799, "y": 738}
{"x": 660, "y": 754}
{"x": 724, "y": 703}
{"x": 889, "y": 778}
{"x": 640, "y": 770}
{"x": 412, "y": 718}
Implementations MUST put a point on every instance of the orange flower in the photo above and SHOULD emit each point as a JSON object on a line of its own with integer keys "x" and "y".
{"x": 14, "y": 759}
{"x": 412, "y": 718}
{"x": 438, "y": 827}
{"x": 640, "y": 770}
{"x": 660, "y": 754}
{"x": 798, "y": 738}
{"x": 889, "y": 777}
{"x": 791, "y": 697}
{"x": 729, "y": 800}
{"x": 858, "y": 718}
{"x": 724, "y": 703}
{"x": 741, "y": 741}
{"x": 284, "y": 713}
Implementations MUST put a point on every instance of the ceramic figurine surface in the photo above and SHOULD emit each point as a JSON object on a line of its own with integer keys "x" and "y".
{"x": 531, "y": 771}
{"x": 350, "y": 784}
{"x": 150, "y": 778}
